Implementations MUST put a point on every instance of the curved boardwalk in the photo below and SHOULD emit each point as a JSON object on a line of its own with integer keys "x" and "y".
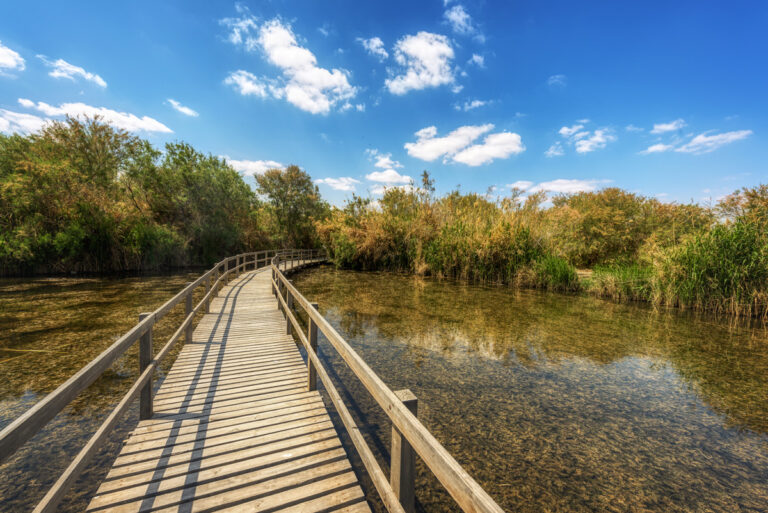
{"x": 234, "y": 427}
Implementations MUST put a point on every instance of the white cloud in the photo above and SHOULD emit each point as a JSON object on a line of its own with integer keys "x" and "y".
{"x": 181, "y": 108}
{"x": 388, "y": 176}
{"x": 633, "y": 128}
{"x": 303, "y": 83}
{"x": 568, "y": 131}
{"x": 557, "y": 81}
{"x": 584, "y": 141}
{"x": 425, "y": 61}
{"x": 17, "y": 122}
{"x": 565, "y": 186}
{"x": 63, "y": 69}
{"x": 588, "y": 143}
{"x": 469, "y": 105}
{"x": 374, "y": 46}
{"x": 380, "y": 189}
{"x": 461, "y": 22}
{"x": 704, "y": 143}
{"x": 657, "y": 148}
{"x": 477, "y": 60}
{"x": 123, "y": 120}
{"x": 520, "y": 184}
{"x": 430, "y": 147}
{"x": 253, "y": 167}
{"x": 10, "y": 60}
{"x": 247, "y": 83}
{"x": 343, "y": 183}
{"x": 661, "y": 128}
{"x": 556, "y": 150}
{"x": 496, "y": 146}
{"x": 382, "y": 160}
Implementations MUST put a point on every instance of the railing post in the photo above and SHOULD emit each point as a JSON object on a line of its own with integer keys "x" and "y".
{"x": 289, "y": 302}
{"x": 187, "y": 311}
{"x": 402, "y": 463}
{"x": 312, "y": 338}
{"x": 207, "y": 289}
{"x": 145, "y": 358}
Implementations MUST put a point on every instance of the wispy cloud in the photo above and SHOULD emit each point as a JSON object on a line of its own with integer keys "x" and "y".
{"x": 183, "y": 109}
{"x": 556, "y": 150}
{"x": 382, "y": 160}
{"x": 389, "y": 176}
{"x": 123, "y": 120}
{"x": 375, "y": 47}
{"x": 657, "y": 148}
{"x": 63, "y": 69}
{"x": 672, "y": 126}
{"x": 343, "y": 183}
{"x": 471, "y": 105}
{"x": 633, "y": 128}
{"x": 461, "y": 22}
{"x": 10, "y": 60}
{"x": 566, "y": 186}
{"x": 302, "y": 83}
{"x": 425, "y": 60}
{"x": 477, "y": 60}
{"x": 583, "y": 140}
{"x": 705, "y": 143}
{"x": 557, "y": 81}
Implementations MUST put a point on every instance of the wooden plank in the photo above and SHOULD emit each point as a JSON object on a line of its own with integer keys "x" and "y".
{"x": 234, "y": 426}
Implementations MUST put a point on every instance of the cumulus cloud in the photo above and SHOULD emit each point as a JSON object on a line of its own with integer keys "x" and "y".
{"x": 496, "y": 146}
{"x": 382, "y": 160}
{"x": 705, "y": 143}
{"x": 343, "y": 183}
{"x": 124, "y": 120}
{"x": 425, "y": 60}
{"x": 557, "y": 81}
{"x": 388, "y": 176}
{"x": 253, "y": 167}
{"x": 63, "y": 69}
{"x": 10, "y": 60}
{"x": 302, "y": 82}
{"x": 661, "y": 128}
{"x": 183, "y": 109}
{"x": 374, "y": 46}
{"x": 18, "y": 122}
{"x": 380, "y": 189}
{"x": 429, "y": 147}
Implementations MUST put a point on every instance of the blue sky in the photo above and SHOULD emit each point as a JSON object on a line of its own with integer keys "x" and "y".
{"x": 666, "y": 99}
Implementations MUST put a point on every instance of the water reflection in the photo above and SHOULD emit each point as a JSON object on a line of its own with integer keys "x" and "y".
{"x": 562, "y": 403}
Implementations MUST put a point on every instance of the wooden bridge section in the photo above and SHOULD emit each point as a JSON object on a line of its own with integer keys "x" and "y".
{"x": 237, "y": 424}
{"x": 234, "y": 425}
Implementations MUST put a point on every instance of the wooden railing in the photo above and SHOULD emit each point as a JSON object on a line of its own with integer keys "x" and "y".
{"x": 32, "y": 421}
{"x": 408, "y": 433}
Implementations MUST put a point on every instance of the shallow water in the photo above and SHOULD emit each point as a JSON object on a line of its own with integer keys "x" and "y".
{"x": 556, "y": 402}
{"x": 49, "y": 329}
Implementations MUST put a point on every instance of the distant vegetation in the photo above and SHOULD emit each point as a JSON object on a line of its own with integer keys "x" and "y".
{"x": 83, "y": 196}
{"x": 638, "y": 248}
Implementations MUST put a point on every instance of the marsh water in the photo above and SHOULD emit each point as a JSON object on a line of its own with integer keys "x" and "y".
{"x": 552, "y": 402}
{"x": 561, "y": 403}
{"x": 49, "y": 329}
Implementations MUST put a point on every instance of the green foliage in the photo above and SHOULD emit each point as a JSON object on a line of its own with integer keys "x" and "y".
{"x": 622, "y": 282}
{"x": 555, "y": 273}
{"x": 84, "y": 196}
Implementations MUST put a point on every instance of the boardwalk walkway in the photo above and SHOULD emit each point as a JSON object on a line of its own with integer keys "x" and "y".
{"x": 234, "y": 427}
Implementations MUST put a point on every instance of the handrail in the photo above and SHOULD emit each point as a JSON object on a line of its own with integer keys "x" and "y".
{"x": 469, "y": 495}
{"x": 13, "y": 436}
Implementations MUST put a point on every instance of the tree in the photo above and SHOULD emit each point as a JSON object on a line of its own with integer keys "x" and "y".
{"x": 293, "y": 206}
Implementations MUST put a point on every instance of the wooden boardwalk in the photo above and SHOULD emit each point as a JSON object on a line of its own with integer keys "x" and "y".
{"x": 234, "y": 427}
